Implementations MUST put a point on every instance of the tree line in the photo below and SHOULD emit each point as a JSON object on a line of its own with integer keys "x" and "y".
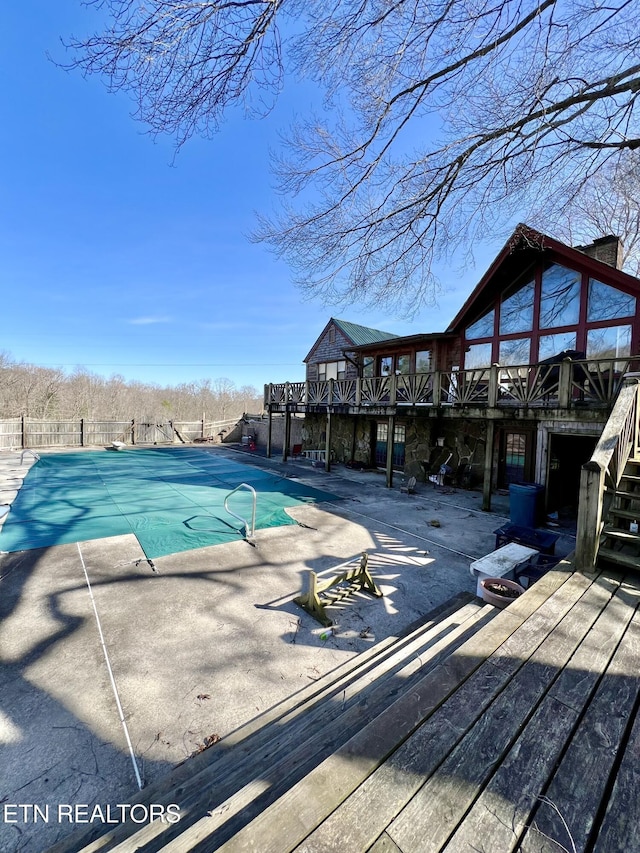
{"x": 45, "y": 392}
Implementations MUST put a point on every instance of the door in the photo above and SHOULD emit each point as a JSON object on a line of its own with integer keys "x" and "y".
{"x": 399, "y": 441}
{"x": 567, "y": 455}
{"x": 516, "y": 457}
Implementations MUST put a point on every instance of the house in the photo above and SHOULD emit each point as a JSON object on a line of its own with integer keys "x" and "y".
{"x": 516, "y": 389}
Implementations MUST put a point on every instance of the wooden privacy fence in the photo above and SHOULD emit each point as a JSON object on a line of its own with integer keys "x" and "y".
{"x": 82, "y": 432}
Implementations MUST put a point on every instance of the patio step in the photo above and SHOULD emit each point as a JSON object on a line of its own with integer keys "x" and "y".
{"x": 289, "y": 740}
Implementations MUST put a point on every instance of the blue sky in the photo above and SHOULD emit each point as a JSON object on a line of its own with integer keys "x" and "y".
{"x": 115, "y": 260}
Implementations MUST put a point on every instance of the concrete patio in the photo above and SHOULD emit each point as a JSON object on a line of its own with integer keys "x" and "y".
{"x": 204, "y": 640}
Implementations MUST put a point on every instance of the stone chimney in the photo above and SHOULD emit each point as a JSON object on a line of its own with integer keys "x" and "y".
{"x": 606, "y": 249}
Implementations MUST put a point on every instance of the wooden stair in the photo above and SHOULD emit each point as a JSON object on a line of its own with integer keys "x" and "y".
{"x": 228, "y": 785}
{"x": 620, "y": 546}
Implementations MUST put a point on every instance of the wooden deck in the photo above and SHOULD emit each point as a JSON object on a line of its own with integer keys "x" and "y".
{"x": 482, "y": 731}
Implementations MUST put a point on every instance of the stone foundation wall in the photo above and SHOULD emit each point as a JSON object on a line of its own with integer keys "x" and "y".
{"x": 463, "y": 440}
{"x": 350, "y": 437}
{"x": 460, "y": 442}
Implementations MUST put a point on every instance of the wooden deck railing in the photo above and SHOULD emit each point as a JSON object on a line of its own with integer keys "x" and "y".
{"x": 564, "y": 385}
{"x": 601, "y": 475}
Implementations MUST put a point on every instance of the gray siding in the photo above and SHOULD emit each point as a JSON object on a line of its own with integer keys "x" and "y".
{"x": 323, "y": 350}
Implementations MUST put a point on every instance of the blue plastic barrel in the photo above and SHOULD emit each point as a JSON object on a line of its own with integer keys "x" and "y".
{"x": 523, "y": 504}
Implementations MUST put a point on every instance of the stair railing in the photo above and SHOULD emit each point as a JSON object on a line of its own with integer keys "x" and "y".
{"x": 601, "y": 475}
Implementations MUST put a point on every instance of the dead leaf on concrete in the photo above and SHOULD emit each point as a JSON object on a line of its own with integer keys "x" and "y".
{"x": 210, "y": 740}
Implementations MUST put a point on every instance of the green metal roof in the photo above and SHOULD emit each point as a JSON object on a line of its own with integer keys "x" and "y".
{"x": 362, "y": 335}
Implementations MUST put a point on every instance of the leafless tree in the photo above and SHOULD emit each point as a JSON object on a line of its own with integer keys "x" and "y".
{"x": 39, "y": 392}
{"x": 441, "y": 120}
{"x": 609, "y": 203}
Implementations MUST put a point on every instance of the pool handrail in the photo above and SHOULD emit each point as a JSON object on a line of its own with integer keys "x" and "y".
{"x": 248, "y": 531}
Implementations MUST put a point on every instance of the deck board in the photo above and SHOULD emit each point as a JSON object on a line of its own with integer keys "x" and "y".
{"x": 499, "y": 815}
{"x": 619, "y": 829}
{"x": 379, "y": 799}
{"x": 442, "y": 803}
{"x": 578, "y": 787}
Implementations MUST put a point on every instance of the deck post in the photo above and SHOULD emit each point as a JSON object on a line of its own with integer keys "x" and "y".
{"x": 564, "y": 383}
{"x": 494, "y": 372}
{"x": 286, "y": 441}
{"x": 327, "y": 444}
{"x": 488, "y": 467}
{"x": 392, "y": 426}
{"x": 589, "y": 515}
{"x": 436, "y": 388}
{"x": 393, "y": 389}
{"x": 269, "y": 429}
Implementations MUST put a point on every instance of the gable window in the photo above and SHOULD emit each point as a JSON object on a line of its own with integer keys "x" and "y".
{"x": 560, "y": 297}
{"x": 516, "y": 311}
{"x": 482, "y": 328}
{"x": 608, "y": 303}
{"x": 548, "y": 312}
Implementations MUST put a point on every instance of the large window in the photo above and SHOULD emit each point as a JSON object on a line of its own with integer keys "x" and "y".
{"x": 332, "y": 370}
{"x": 551, "y": 345}
{"x": 610, "y": 342}
{"x": 516, "y": 311}
{"x": 557, "y": 310}
{"x": 478, "y": 355}
{"x": 560, "y": 297}
{"x": 608, "y": 303}
{"x": 515, "y": 351}
{"x": 482, "y": 328}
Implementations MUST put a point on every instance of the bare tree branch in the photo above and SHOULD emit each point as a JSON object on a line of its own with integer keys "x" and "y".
{"x": 441, "y": 120}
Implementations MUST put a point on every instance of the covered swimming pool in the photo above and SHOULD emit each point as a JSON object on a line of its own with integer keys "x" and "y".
{"x": 171, "y": 498}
